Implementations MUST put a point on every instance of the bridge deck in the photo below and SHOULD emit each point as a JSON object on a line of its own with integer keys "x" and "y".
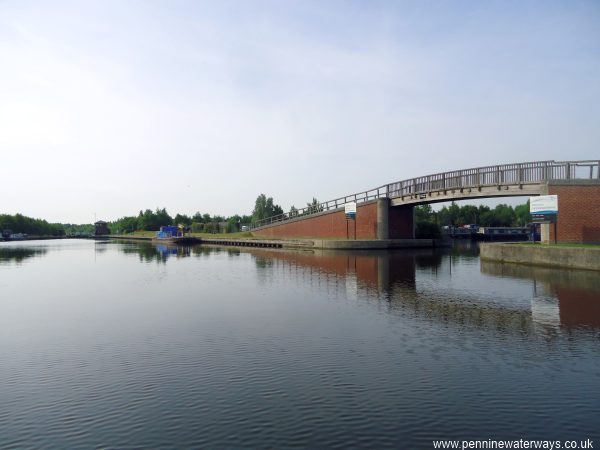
{"x": 522, "y": 179}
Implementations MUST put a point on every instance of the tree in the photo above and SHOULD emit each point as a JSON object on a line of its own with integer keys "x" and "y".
{"x": 424, "y": 213}
{"x": 468, "y": 214}
{"x": 264, "y": 208}
{"x": 182, "y": 219}
{"x": 314, "y": 206}
{"x": 27, "y": 225}
{"x": 449, "y": 215}
{"x": 125, "y": 224}
{"x": 522, "y": 214}
{"x": 426, "y": 225}
{"x": 234, "y": 224}
{"x": 503, "y": 216}
{"x": 152, "y": 221}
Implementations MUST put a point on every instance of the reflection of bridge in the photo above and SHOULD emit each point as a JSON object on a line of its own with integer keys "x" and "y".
{"x": 387, "y": 211}
{"x": 403, "y": 280}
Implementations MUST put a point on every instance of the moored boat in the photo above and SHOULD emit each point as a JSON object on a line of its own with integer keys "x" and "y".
{"x": 174, "y": 235}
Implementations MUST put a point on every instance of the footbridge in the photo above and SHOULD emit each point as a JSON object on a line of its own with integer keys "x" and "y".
{"x": 386, "y": 212}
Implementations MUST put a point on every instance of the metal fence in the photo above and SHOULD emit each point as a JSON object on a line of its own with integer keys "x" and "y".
{"x": 506, "y": 174}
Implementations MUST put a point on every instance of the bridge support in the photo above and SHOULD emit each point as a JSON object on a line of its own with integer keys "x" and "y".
{"x": 383, "y": 228}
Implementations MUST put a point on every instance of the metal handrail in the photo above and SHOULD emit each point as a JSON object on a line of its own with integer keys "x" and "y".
{"x": 519, "y": 173}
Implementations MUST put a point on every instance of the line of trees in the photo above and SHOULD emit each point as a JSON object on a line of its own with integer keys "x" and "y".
{"x": 149, "y": 220}
{"x": 19, "y": 223}
{"x": 429, "y": 222}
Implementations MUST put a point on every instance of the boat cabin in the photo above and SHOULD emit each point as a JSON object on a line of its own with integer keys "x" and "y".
{"x": 168, "y": 231}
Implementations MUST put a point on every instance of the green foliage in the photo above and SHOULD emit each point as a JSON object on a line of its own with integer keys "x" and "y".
{"x": 182, "y": 219}
{"x": 426, "y": 225}
{"x": 428, "y": 222}
{"x": 264, "y": 208}
{"x": 123, "y": 225}
{"x": 152, "y": 221}
{"x": 314, "y": 206}
{"x": 522, "y": 214}
{"x": 197, "y": 227}
{"x": 211, "y": 227}
{"x": 501, "y": 216}
{"x": 449, "y": 215}
{"x": 424, "y": 213}
{"x": 234, "y": 224}
{"x": 27, "y": 225}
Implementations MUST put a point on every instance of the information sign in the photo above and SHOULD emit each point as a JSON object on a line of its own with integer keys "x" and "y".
{"x": 543, "y": 209}
{"x": 350, "y": 210}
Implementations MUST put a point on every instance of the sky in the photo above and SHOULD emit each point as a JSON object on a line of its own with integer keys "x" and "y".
{"x": 112, "y": 106}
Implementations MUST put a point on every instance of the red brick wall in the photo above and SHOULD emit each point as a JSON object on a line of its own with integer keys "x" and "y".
{"x": 578, "y": 213}
{"x": 328, "y": 225}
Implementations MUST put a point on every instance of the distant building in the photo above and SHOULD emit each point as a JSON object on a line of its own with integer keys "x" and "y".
{"x": 101, "y": 228}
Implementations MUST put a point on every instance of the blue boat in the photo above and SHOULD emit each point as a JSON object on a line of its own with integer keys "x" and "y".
{"x": 171, "y": 234}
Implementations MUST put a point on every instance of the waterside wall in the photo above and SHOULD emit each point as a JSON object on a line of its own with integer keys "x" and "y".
{"x": 374, "y": 220}
{"x": 543, "y": 255}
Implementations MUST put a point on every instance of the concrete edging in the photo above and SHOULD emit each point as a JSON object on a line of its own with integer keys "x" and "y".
{"x": 329, "y": 244}
{"x": 542, "y": 255}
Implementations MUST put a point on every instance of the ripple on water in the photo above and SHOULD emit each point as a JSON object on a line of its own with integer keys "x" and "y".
{"x": 285, "y": 350}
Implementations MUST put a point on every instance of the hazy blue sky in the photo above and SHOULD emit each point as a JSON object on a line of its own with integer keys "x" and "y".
{"x": 108, "y": 107}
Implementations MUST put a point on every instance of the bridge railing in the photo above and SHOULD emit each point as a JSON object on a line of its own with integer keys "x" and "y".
{"x": 522, "y": 173}
{"x": 506, "y": 174}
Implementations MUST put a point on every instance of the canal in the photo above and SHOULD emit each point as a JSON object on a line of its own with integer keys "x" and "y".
{"x": 131, "y": 345}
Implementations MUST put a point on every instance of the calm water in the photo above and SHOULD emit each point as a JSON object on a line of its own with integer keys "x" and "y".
{"x": 123, "y": 345}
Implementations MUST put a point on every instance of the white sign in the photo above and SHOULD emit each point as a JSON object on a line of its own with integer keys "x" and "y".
{"x": 544, "y": 204}
{"x": 350, "y": 210}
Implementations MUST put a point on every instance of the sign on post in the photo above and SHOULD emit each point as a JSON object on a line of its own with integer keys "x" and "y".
{"x": 543, "y": 209}
{"x": 350, "y": 210}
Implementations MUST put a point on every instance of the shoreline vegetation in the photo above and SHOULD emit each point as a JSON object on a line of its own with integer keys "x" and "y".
{"x": 428, "y": 224}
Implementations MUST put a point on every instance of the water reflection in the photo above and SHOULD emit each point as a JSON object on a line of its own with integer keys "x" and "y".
{"x": 415, "y": 282}
{"x": 17, "y": 255}
{"x": 445, "y": 286}
{"x": 436, "y": 285}
{"x": 560, "y": 296}
{"x": 161, "y": 253}
{"x": 158, "y": 253}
